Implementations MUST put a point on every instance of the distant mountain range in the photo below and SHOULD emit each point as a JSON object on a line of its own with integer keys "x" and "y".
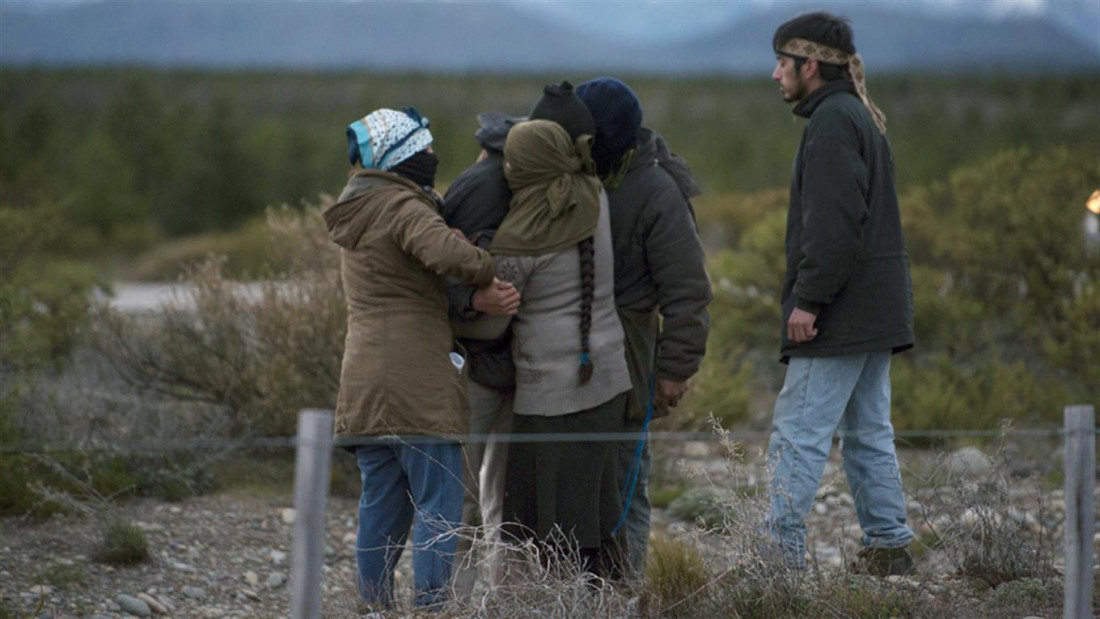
{"x": 495, "y": 37}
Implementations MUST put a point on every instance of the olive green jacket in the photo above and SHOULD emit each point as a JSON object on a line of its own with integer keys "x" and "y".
{"x": 396, "y": 376}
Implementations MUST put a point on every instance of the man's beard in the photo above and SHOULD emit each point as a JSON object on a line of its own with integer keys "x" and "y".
{"x": 799, "y": 90}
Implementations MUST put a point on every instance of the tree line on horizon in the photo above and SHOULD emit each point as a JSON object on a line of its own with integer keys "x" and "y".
{"x": 133, "y": 157}
{"x": 101, "y": 167}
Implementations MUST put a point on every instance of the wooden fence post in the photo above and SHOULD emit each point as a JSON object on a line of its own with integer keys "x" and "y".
{"x": 1080, "y": 525}
{"x": 311, "y": 479}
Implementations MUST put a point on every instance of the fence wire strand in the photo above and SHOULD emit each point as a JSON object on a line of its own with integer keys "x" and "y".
{"x": 287, "y": 442}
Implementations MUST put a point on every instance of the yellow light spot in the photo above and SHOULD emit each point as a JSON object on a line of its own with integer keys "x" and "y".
{"x": 1094, "y": 202}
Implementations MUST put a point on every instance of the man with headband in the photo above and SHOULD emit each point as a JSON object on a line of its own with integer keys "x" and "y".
{"x": 847, "y": 299}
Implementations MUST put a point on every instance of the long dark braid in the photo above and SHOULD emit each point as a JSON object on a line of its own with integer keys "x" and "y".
{"x": 587, "y": 249}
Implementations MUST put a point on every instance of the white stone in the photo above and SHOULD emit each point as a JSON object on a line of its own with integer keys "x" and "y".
{"x": 349, "y": 538}
{"x": 181, "y": 566}
{"x": 154, "y": 603}
{"x": 168, "y": 602}
{"x": 276, "y": 580}
{"x": 250, "y": 594}
{"x": 821, "y": 509}
{"x": 251, "y": 578}
{"x": 697, "y": 450}
{"x": 195, "y": 593}
{"x": 278, "y": 557}
{"x": 970, "y": 461}
{"x": 289, "y": 515}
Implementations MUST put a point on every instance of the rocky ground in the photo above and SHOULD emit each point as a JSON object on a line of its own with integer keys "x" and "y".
{"x": 227, "y": 555}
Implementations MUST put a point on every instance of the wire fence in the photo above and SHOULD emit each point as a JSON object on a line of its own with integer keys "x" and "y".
{"x": 291, "y": 442}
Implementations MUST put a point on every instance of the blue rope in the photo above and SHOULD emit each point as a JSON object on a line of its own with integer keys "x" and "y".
{"x": 636, "y": 464}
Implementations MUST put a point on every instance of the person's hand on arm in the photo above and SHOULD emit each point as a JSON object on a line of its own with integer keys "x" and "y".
{"x": 499, "y": 298}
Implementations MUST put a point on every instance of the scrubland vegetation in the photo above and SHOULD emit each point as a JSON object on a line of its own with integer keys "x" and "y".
{"x": 218, "y": 179}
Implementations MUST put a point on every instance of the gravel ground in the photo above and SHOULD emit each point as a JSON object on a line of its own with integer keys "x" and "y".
{"x": 227, "y": 555}
{"x": 213, "y": 556}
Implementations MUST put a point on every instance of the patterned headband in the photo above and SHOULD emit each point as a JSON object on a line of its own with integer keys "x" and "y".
{"x": 802, "y": 48}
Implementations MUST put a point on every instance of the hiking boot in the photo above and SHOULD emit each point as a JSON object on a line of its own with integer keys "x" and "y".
{"x": 883, "y": 562}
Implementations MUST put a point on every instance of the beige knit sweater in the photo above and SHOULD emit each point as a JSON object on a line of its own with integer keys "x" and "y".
{"x": 546, "y": 343}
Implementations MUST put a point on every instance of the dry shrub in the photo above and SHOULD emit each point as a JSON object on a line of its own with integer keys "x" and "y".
{"x": 979, "y": 528}
{"x": 735, "y": 569}
{"x": 261, "y": 351}
{"x": 531, "y": 580}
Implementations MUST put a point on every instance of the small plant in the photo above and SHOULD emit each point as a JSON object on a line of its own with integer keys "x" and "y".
{"x": 677, "y": 570}
{"x": 122, "y": 544}
{"x": 62, "y": 575}
{"x": 863, "y": 598}
{"x": 663, "y": 495}
{"x": 701, "y": 505}
{"x": 1027, "y": 596}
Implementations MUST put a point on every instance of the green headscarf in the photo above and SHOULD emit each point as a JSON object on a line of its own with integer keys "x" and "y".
{"x": 555, "y": 192}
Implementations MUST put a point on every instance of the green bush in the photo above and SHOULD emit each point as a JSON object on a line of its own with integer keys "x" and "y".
{"x": 39, "y": 485}
{"x": 122, "y": 544}
{"x": 1007, "y": 304}
{"x": 938, "y": 392}
{"x": 246, "y": 250}
{"x": 1010, "y": 275}
{"x": 17, "y": 496}
{"x": 703, "y": 505}
{"x": 1027, "y": 596}
{"x": 739, "y": 369}
{"x": 44, "y": 299}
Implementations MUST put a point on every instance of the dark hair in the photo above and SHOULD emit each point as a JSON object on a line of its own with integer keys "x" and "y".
{"x": 587, "y": 249}
{"x": 819, "y": 27}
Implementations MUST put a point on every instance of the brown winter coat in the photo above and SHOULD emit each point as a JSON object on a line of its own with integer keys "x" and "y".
{"x": 396, "y": 376}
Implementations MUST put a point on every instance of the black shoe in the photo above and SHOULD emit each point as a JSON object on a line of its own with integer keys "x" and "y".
{"x": 883, "y": 562}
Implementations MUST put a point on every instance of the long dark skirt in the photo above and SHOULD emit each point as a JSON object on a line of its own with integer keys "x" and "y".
{"x": 567, "y": 491}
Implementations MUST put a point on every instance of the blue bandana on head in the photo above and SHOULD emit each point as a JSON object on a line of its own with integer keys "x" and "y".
{"x": 385, "y": 138}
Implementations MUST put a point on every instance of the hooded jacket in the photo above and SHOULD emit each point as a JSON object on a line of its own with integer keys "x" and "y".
{"x": 396, "y": 376}
{"x": 660, "y": 269}
{"x": 476, "y": 203}
{"x": 846, "y": 256}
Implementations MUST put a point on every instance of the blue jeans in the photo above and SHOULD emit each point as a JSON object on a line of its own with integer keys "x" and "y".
{"x": 636, "y": 526}
{"x": 820, "y": 395}
{"x": 404, "y": 483}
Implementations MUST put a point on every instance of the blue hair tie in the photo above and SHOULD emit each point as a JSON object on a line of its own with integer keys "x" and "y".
{"x": 585, "y": 359}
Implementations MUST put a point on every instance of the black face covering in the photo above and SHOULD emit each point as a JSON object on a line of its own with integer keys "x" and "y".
{"x": 420, "y": 168}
